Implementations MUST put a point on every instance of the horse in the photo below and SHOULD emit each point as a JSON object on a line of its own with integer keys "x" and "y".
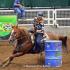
{"x": 23, "y": 43}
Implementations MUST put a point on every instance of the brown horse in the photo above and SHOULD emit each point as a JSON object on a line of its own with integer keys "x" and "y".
{"x": 24, "y": 44}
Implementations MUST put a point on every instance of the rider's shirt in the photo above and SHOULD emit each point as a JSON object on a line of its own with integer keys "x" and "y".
{"x": 39, "y": 27}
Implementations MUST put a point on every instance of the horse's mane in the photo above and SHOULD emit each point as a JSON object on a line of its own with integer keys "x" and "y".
{"x": 24, "y": 32}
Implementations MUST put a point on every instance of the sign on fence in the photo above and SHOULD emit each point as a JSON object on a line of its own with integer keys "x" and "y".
{"x": 6, "y": 21}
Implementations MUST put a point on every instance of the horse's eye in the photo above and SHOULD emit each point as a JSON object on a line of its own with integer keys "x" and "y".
{"x": 15, "y": 32}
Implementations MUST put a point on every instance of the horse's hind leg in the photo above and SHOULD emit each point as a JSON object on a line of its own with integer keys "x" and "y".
{"x": 68, "y": 45}
{"x": 66, "y": 49}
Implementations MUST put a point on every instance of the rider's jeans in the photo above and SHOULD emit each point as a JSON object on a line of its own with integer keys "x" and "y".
{"x": 38, "y": 43}
{"x": 20, "y": 11}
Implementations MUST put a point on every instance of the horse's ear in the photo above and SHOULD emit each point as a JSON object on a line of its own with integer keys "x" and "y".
{"x": 14, "y": 26}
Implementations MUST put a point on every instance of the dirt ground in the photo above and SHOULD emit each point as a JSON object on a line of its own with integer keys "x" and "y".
{"x": 30, "y": 61}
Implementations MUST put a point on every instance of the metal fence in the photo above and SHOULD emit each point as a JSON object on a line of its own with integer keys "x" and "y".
{"x": 60, "y": 17}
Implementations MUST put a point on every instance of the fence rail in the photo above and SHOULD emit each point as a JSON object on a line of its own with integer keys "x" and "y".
{"x": 60, "y": 17}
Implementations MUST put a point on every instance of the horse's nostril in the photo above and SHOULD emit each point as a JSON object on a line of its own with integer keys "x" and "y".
{"x": 11, "y": 41}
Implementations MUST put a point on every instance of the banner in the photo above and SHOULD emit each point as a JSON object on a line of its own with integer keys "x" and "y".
{"x": 6, "y": 21}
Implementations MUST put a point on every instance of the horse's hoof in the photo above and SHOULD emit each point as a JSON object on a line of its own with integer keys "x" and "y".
{"x": 1, "y": 64}
{"x": 6, "y": 64}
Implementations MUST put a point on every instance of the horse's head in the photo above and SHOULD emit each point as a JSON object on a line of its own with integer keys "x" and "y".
{"x": 15, "y": 34}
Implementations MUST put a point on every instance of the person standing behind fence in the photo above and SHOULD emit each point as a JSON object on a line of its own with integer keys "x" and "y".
{"x": 38, "y": 24}
{"x": 19, "y": 9}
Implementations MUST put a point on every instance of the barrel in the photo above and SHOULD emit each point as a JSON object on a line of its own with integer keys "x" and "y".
{"x": 53, "y": 53}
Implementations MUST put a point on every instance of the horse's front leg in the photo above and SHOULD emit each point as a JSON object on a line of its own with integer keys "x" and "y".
{"x": 15, "y": 55}
{"x": 8, "y": 60}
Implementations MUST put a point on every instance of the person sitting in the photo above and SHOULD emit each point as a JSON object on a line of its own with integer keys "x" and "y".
{"x": 19, "y": 9}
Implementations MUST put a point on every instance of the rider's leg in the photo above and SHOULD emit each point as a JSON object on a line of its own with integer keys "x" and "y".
{"x": 18, "y": 12}
{"x": 38, "y": 44}
{"x": 22, "y": 12}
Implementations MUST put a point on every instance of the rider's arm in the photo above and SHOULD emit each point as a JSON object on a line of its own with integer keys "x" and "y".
{"x": 18, "y": 5}
{"x": 34, "y": 24}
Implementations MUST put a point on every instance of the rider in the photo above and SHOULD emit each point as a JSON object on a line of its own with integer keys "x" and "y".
{"x": 38, "y": 25}
{"x": 19, "y": 9}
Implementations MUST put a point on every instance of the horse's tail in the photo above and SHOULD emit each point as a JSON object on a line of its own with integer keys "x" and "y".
{"x": 64, "y": 42}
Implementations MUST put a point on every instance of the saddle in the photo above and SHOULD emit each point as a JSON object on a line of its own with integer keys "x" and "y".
{"x": 45, "y": 37}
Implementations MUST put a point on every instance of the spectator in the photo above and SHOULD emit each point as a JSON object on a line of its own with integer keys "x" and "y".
{"x": 19, "y": 9}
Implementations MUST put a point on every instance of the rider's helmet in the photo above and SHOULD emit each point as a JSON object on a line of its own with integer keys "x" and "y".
{"x": 40, "y": 14}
